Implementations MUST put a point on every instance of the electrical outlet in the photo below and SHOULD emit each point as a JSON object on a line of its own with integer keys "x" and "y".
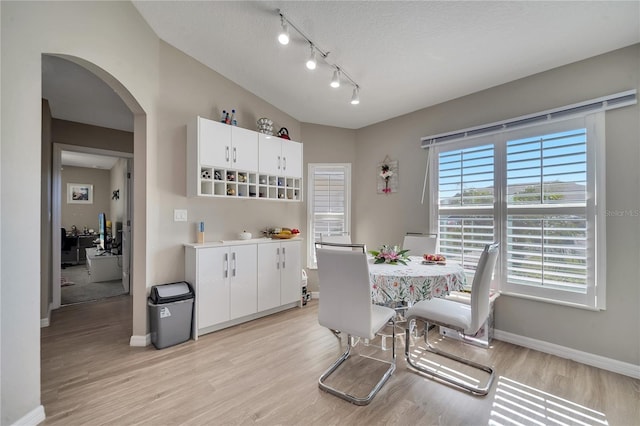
{"x": 179, "y": 215}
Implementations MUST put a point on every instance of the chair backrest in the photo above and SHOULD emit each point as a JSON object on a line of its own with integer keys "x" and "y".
{"x": 65, "y": 242}
{"x": 419, "y": 244}
{"x": 337, "y": 239}
{"x": 481, "y": 286}
{"x": 345, "y": 292}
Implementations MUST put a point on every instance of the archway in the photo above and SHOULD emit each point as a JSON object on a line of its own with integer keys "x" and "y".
{"x": 138, "y": 201}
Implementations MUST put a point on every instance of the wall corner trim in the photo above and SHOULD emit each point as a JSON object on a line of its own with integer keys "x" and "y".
{"x": 593, "y": 360}
{"x": 140, "y": 341}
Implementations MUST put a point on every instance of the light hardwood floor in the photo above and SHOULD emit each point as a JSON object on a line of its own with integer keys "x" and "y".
{"x": 266, "y": 372}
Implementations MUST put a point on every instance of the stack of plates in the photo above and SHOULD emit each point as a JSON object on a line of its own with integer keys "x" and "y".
{"x": 265, "y": 126}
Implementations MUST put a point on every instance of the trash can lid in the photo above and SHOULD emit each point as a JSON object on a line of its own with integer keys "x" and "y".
{"x": 171, "y": 292}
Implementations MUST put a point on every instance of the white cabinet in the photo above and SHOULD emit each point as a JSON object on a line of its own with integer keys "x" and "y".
{"x": 269, "y": 279}
{"x": 225, "y": 146}
{"x": 280, "y": 274}
{"x": 225, "y": 279}
{"x": 291, "y": 272}
{"x": 223, "y": 161}
{"x": 279, "y": 156}
{"x": 229, "y": 290}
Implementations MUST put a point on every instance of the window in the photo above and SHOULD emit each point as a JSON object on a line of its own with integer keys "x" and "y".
{"x": 329, "y": 203}
{"x": 534, "y": 190}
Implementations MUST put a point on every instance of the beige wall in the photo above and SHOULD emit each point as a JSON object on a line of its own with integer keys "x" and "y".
{"x": 82, "y": 215}
{"x": 166, "y": 88}
{"x": 190, "y": 89}
{"x": 612, "y": 333}
{"x": 117, "y": 44}
{"x": 323, "y": 144}
{"x": 71, "y": 133}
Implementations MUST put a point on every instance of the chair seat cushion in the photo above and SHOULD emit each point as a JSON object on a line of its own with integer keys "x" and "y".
{"x": 380, "y": 315}
{"x": 446, "y": 312}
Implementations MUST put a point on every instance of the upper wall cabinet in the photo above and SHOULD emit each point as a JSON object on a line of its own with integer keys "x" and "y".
{"x": 221, "y": 145}
{"x": 228, "y": 161}
{"x": 280, "y": 156}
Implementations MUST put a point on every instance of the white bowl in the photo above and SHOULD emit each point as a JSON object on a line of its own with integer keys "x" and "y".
{"x": 244, "y": 235}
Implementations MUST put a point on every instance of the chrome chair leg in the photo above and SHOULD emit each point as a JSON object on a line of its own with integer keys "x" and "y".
{"x": 479, "y": 390}
{"x": 351, "y": 398}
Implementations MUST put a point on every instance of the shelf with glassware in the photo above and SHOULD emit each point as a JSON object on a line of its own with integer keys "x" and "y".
{"x": 218, "y": 182}
{"x": 216, "y": 176}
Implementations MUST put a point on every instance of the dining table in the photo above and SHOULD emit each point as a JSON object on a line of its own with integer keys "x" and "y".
{"x": 415, "y": 281}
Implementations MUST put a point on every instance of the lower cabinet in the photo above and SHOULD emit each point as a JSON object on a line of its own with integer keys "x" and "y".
{"x": 237, "y": 283}
{"x": 279, "y": 267}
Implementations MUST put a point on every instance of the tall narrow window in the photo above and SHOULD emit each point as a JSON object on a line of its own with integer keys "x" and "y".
{"x": 329, "y": 203}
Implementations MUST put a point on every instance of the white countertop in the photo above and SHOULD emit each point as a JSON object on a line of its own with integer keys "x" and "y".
{"x": 222, "y": 243}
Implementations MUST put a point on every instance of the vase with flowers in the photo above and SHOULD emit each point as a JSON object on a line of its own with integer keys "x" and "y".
{"x": 390, "y": 254}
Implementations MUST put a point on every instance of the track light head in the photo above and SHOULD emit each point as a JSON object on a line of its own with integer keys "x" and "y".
{"x": 283, "y": 37}
{"x": 311, "y": 62}
{"x": 355, "y": 98}
{"x": 335, "y": 81}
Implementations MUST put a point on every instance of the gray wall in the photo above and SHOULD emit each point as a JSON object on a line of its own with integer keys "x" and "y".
{"x": 82, "y": 215}
{"x": 612, "y": 333}
{"x": 166, "y": 88}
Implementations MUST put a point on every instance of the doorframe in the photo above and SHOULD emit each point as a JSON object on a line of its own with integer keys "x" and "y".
{"x": 56, "y": 215}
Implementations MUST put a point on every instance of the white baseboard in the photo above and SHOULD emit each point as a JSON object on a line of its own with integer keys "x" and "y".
{"x": 140, "y": 341}
{"x": 315, "y": 295}
{"x": 32, "y": 418}
{"x": 598, "y": 361}
{"x": 45, "y": 322}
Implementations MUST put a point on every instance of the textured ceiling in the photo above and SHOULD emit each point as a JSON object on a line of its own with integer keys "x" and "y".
{"x": 405, "y": 55}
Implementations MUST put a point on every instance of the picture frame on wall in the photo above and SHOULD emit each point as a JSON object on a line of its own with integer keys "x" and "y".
{"x": 79, "y": 193}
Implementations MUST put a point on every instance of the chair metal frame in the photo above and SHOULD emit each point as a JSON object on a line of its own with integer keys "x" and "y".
{"x": 487, "y": 260}
{"x": 347, "y": 353}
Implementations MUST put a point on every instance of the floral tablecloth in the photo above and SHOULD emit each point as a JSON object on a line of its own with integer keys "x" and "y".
{"x": 414, "y": 281}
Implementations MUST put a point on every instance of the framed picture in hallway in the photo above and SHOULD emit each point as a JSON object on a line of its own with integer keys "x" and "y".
{"x": 79, "y": 193}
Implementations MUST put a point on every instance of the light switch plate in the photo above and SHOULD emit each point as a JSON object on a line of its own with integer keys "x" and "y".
{"x": 179, "y": 215}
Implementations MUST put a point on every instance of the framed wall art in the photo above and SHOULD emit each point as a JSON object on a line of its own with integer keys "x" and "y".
{"x": 79, "y": 193}
{"x": 387, "y": 179}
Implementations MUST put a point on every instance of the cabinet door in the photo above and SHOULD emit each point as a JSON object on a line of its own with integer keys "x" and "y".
{"x": 291, "y": 159}
{"x": 269, "y": 154}
{"x": 212, "y": 292}
{"x": 291, "y": 272}
{"x": 269, "y": 279}
{"x": 244, "y": 149}
{"x": 214, "y": 141}
{"x": 243, "y": 273}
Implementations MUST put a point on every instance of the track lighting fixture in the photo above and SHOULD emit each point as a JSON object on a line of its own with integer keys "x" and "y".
{"x": 355, "y": 98}
{"x": 283, "y": 37}
{"x": 335, "y": 81}
{"x": 312, "y": 62}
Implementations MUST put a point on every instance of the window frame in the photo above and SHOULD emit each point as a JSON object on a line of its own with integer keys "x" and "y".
{"x": 311, "y": 170}
{"x": 595, "y": 296}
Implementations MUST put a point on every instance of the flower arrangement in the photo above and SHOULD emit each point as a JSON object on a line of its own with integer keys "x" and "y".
{"x": 392, "y": 255}
{"x": 385, "y": 174}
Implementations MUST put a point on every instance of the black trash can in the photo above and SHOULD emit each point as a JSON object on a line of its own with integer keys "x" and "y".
{"x": 170, "y": 313}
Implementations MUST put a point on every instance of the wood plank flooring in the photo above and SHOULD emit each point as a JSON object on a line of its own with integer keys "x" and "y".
{"x": 266, "y": 371}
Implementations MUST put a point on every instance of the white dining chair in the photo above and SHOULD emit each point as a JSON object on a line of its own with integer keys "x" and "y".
{"x": 345, "y": 305}
{"x": 466, "y": 319}
{"x": 419, "y": 244}
{"x": 336, "y": 239}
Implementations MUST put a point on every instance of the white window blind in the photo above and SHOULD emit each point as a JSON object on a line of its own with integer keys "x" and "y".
{"x": 329, "y": 203}
{"x": 533, "y": 190}
{"x": 548, "y": 174}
